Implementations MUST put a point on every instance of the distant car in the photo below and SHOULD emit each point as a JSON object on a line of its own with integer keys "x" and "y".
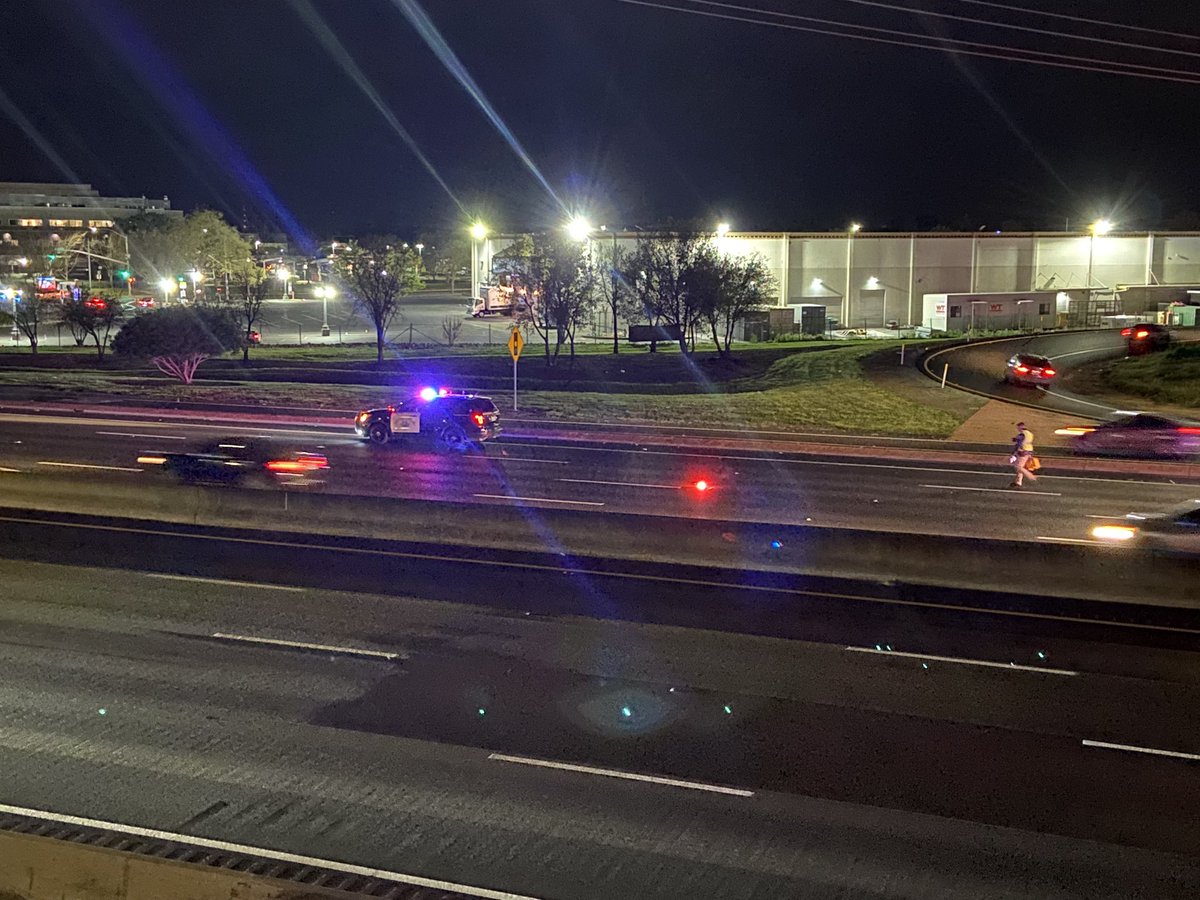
{"x": 253, "y": 337}
{"x": 242, "y": 462}
{"x": 1176, "y": 529}
{"x": 1143, "y": 435}
{"x": 451, "y": 422}
{"x": 144, "y": 303}
{"x": 1028, "y": 369}
{"x": 1146, "y": 337}
{"x": 99, "y": 304}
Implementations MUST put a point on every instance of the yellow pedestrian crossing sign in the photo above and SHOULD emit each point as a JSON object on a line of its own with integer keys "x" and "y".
{"x": 516, "y": 343}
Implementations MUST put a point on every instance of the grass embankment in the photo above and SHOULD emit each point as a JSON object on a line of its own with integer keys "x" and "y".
{"x": 1171, "y": 378}
{"x": 772, "y": 389}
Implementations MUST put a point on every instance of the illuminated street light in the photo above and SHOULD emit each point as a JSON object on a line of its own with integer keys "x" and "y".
{"x": 166, "y": 285}
{"x": 1101, "y": 226}
{"x": 578, "y": 229}
{"x": 420, "y": 249}
{"x": 872, "y": 283}
{"x": 722, "y": 229}
{"x": 22, "y": 261}
{"x": 283, "y": 275}
{"x": 855, "y": 227}
{"x": 479, "y": 231}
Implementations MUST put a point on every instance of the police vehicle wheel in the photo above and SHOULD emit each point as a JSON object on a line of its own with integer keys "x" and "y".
{"x": 378, "y": 433}
{"x": 451, "y": 440}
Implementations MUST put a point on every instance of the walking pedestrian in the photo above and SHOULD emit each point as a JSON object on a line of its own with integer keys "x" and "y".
{"x": 1022, "y": 454}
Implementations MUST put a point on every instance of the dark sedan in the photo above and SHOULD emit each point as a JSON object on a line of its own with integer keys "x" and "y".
{"x": 1143, "y": 435}
{"x": 242, "y": 462}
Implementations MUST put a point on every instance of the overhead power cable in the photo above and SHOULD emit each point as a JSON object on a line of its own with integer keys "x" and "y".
{"x": 1083, "y": 19}
{"x": 943, "y": 45}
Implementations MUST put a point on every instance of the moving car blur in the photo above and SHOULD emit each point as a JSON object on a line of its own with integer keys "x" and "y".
{"x": 1176, "y": 529}
{"x": 1142, "y": 435}
{"x": 1146, "y": 337}
{"x": 243, "y": 462}
{"x": 1029, "y": 370}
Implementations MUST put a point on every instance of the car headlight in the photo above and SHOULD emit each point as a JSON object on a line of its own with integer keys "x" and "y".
{"x": 1114, "y": 532}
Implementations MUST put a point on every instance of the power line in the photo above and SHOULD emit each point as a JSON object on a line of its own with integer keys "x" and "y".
{"x": 1003, "y": 52}
{"x": 943, "y": 40}
{"x": 1008, "y": 25}
{"x": 1083, "y": 19}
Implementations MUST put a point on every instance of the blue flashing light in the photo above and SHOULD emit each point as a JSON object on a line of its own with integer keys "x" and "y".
{"x": 626, "y": 712}
{"x": 428, "y": 394}
{"x": 776, "y": 545}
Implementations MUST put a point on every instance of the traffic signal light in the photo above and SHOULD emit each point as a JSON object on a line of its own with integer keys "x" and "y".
{"x": 51, "y": 256}
{"x": 123, "y": 274}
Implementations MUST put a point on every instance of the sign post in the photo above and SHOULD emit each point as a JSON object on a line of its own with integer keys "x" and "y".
{"x": 516, "y": 343}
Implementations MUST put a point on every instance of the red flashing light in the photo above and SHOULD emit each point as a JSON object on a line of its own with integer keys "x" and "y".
{"x": 478, "y": 419}
{"x": 701, "y": 485}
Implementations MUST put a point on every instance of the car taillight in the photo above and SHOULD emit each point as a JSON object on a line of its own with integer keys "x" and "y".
{"x": 285, "y": 465}
{"x": 152, "y": 460}
{"x": 1142, "y": 334}
{"x": 1114, "y": 532}
{"x": 1021, "y": 369}
{"x": 478, "y": 418}
{"x": 1048, "y": 372}
{"x": 1126, "y": 332}
{"x": 701, "y": 485}
{"x": 1187, "y": 429}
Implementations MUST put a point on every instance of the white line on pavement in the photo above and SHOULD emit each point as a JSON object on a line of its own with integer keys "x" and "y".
{"x": 1104, "y": 745}
{"x": 661, "y": 487}
{"x": 539, "y": 499}
{"x": 961, "y": 487}
{"x": 1064, "y": 540}
{"x": 161, "y": 437}
{"x": 549, "y": 462}
{"x": 224, "y": 581}
{"x": 6, "y": 469}
{"x": 966, "y": 662}
{"x": 300, "y": 645}
{"x": 65, "y": 465}
{"x": 616, "y": 773}
{"x": 1107, "y": 409}
{"x": 267, "y": 852}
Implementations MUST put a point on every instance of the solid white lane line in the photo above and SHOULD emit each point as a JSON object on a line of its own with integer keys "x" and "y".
{"x": 1121, "y": 516}
{"x": 301, "y": 645}
{"x": 65, "y": 465}
{"x": 224, "y": 581}
{"x": 963, "y": 661}
{"x": 1064, "y": 540}
{"x": 961, "y": 487}
{"x": 839, "y": 464}
{"x": 1105, "y": 745}
{"x": 162, "y": 437}
{"x": 617, "y": 773}
{"x": 1107, "y": 409}
{"x": 6, "y": 469}
{"x": 539, "y": 500}
{"x": 661, "y": 487}
{"x": 548, "y": 462}
{"x": 265, "y": 852}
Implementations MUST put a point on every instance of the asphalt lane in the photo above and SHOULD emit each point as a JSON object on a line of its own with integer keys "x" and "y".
{"x": 980, "y": 367}
{"x": 843, "y": 773}
{"x": 880, "y": 494}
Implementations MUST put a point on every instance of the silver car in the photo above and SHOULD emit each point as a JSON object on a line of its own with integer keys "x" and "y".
{"x": 1177, "y": 529}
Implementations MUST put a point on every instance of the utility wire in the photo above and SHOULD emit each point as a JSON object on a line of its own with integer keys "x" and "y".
{"x": 944, "y": 40}
{"x": 1083, "y": 19}
{"x": 1105, "y": 67}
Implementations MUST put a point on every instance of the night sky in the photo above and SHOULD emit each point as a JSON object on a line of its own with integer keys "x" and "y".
{"x": 633, "y": 115}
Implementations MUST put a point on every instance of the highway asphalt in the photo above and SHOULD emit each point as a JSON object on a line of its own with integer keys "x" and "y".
{"x": 569, "y": 757}
{"x": 980, "y": 367}
{"x": 880, "y": 493}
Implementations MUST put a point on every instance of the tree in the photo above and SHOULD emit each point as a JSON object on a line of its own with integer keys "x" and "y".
{"x": 446, "y": 253}
{"x": 659, "y": 268}
{"x": 93, "y": 317}
{"x": 202, "y": 241}
{"x": 726, "y": 288}
{"x": 612, "y": 285}
{"x": 177, "y": 340}
{"x": 30, "y": 314}
{"x": 559, "y": 281}
{"x": 376, "y": 275}
{"x": 248, "y": 286}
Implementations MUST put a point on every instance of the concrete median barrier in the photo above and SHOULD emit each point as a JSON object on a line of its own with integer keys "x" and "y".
{"x": 555, "y": 536}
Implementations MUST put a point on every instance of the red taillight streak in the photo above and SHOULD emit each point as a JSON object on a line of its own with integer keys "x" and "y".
{"x": 1188, "y": 430}
{"x": 1126, "y": 332}
{"x": 1021, "y": 369}
{"x": 307, "y": 464}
